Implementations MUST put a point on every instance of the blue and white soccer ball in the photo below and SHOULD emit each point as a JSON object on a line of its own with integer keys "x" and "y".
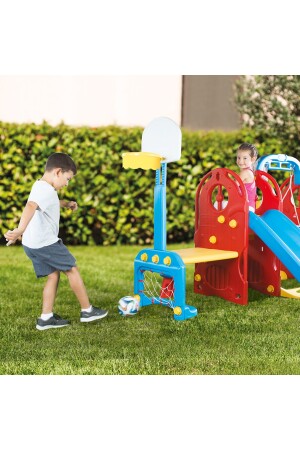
{"x": 128, "y": 306}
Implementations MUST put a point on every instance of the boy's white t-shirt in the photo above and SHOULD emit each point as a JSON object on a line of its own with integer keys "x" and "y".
{"x": 43, "y": 228}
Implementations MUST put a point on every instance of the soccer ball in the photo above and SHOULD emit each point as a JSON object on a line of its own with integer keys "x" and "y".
{"x": 128, "y": 306}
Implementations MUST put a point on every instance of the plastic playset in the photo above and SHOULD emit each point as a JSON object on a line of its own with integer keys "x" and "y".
{"x": 234, "y": 247}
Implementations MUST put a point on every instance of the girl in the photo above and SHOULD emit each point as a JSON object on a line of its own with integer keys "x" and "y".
{"x": 245, "y": 159}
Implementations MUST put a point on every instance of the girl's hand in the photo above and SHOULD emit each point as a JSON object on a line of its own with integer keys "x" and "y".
{"x": 72, "y": 205}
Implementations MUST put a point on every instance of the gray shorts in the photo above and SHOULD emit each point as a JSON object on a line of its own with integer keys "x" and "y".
{"x": 51, "y": 258}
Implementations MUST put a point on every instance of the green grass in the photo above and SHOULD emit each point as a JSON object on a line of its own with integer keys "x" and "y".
{"x": 261, "y": 338}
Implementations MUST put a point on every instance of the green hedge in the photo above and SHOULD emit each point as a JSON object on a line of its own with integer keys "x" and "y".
{"x": 115, "y": 205}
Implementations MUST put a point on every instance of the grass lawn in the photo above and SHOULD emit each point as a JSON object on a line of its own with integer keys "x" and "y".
{"x": 262, "y": 338}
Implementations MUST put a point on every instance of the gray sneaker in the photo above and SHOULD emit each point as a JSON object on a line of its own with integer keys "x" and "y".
{"x": 95, "y": 314}
{"x": 54, "y": 322}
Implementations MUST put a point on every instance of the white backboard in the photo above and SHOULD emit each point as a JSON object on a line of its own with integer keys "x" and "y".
{"x": 162, "y": 136}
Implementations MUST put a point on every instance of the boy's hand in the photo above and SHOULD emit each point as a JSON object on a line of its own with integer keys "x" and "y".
{"x": 72, "y": 205}
{"x": 12, "y": 236}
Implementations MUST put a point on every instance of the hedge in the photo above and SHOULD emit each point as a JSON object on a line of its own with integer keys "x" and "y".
{"x": 115, "y": 205}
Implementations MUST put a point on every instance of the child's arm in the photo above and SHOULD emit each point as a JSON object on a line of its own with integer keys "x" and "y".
{"x": 67, "y": 204}
{"x": 27, "y": 214}
{"x": 246, "y": 176}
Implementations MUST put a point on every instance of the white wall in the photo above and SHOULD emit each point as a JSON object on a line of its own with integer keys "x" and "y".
{"x": 90, "y": 100}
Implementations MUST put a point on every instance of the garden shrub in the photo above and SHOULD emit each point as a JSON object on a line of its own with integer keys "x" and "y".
{"x": 115, "y": 205}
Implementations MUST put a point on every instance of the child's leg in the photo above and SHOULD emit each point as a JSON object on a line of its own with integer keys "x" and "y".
{"x": 49, "y": 292}
{"x": 78, "y": 287}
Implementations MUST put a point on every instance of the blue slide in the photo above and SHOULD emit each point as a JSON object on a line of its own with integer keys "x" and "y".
{"x": 281, "y": 235}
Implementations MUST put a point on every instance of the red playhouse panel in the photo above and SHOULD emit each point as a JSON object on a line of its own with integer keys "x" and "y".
{"x": 291, "y": 200}
{"x": 263, "y": 266}
{"x": 221, "y": 222}
{"x": 291, "y": 207}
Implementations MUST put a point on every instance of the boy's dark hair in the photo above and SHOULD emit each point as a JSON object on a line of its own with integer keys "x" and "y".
{"x": 60, "y": 161}
{"x": 250, "y": 148}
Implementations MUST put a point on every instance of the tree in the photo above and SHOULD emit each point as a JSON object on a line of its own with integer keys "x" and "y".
{"x": 271, "y": 104}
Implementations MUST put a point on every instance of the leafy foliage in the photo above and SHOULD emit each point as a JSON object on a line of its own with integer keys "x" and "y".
{"x": 115, "y": 205}
{"x": 271, "y": 103}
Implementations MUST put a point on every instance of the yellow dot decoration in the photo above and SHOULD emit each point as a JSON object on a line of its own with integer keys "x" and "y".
{"x": 167, "y": 260}
{"x": 212, "y": 239}
{"x": 197, "y": 277}
{"x": 155, "y": 259}
{"x": 283, "y": 275}
{"x": 233, "y": 223}
{"x": 177, "y": 310}
{"x": 144, "y": 257}
{"x": 270, "y": 288}
{"x": 221, "y": 219}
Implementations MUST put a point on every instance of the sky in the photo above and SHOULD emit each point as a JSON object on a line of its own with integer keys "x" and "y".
{"x": 142, "y": 37}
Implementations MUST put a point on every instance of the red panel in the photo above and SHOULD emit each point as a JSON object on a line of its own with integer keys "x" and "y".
{"x": 289, "y": 209}
{"x": 264, "y": 266}
{"x": 224, "y": 227}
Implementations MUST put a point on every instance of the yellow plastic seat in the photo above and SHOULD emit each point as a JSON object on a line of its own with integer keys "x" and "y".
{"x": 199, "y": 255}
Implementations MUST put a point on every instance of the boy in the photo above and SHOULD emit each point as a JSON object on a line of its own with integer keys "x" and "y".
{"x": 39, "y": 227}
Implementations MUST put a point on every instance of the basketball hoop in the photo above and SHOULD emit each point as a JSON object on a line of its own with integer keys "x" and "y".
{"x": 142, "y": 160}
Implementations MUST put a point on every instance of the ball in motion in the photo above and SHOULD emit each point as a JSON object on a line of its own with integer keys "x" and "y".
{"x": 128, "y": 306}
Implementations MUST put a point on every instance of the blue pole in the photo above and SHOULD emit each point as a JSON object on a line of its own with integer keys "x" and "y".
{"x": 160, "y": 209}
